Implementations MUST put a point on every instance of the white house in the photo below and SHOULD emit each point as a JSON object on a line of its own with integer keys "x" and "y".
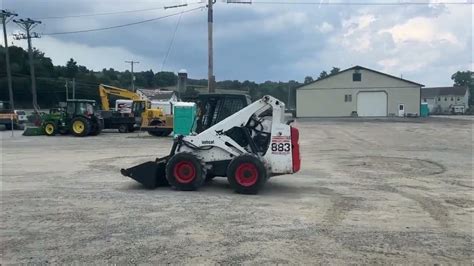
{"x": 445, "y": 99}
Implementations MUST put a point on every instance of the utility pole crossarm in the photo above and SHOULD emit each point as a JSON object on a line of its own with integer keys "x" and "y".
{"x": 6, "y": 16}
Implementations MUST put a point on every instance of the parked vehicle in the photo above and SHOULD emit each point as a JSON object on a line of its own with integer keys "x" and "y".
{"x": 8, "y": 117}
{"x": 22, "y": 117}
{"x": 79, "y": 118}
{"x": 142, "y": 115}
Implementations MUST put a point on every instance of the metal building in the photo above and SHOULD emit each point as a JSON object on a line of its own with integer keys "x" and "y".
{"x": 358, "y": 91}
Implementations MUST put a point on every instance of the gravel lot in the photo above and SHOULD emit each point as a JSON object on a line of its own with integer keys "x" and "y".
{"x": 370, "y": 191}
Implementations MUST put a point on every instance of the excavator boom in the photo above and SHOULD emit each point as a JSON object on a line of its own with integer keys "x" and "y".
{"x": 106, "y": 90}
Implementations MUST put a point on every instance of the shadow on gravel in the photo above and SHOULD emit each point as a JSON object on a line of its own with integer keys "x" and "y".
{"x": 219, "y": 185}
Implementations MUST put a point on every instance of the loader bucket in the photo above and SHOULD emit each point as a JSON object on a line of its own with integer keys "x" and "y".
{"x": 150, "y": 174}
{"x": 33, "y": 131}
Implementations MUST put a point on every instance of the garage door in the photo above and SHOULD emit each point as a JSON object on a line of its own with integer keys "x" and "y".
{"x": 372, "y": 104}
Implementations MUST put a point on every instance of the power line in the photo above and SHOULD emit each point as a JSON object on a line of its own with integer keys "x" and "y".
{"x": 123, "y": 25}
{"x": 171, "y": 42}
{"x": 321, "y": 3}
{"x": 116, "y": 12}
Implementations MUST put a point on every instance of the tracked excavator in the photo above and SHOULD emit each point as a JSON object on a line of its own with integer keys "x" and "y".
{"x": 247, "y": 147}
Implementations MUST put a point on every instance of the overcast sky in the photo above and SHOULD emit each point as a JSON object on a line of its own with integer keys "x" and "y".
{"x": 259, "y": 42}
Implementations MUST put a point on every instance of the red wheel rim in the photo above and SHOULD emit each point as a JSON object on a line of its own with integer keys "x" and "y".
{"x": 184, "y": 172}
{"x": 246, "y": 174}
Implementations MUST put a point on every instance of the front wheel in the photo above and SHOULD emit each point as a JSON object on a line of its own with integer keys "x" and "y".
{"x": 80, "y": 127}
{"x": 185, "y": 172}
{"x": 246, "y": 174}
{"x": 50, "y": 129}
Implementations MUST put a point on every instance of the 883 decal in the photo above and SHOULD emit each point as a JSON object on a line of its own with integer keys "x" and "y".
{"x": 280, "y": 145}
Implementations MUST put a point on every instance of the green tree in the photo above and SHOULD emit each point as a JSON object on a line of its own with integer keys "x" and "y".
{"x": 165, "y": 79}
{"x": 71, "y": 68}
{"x": 465, "y": 78}
{"x": 308, "y": 79}
{"x": 323, "y": 75}
{"x": 334, "y": 70}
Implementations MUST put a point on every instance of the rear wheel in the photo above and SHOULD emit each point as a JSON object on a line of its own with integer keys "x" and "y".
{"x": 123, "y": 128}
{"x": 50, "y": 129}
{"x": 96, "y": 129}
{"x": 246, "y": 174}
{"x": 162, "y": 132}
{"x": 185, "y": 172}
{"x": 80, "y": 127}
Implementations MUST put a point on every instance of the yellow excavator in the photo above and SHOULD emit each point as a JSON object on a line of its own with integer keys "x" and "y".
{"x": 153, "y": 120}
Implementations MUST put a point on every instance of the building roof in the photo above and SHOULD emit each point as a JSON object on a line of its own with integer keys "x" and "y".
{"x": 362, "y": 68}
{"x": 443, "y": 91}
{"x": 160, "y": 95}
{"x": 205, "y": 90}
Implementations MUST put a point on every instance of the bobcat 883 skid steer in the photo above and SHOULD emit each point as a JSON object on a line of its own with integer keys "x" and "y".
{"x": 247, "y": 147}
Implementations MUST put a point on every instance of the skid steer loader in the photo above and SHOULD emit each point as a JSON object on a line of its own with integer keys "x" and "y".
{"x": 248, "y": 147}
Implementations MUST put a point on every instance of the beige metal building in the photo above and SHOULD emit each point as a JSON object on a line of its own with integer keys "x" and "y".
{"x": 358, "y": 90}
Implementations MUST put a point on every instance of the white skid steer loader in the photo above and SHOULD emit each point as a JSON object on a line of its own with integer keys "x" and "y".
{"x": 248, "y": 147}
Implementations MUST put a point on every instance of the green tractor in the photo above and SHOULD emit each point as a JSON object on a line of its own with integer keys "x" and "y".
{"x": 78, "y": 117}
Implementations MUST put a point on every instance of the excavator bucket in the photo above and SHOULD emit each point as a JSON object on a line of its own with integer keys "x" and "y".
{"x": 150, "y": 174}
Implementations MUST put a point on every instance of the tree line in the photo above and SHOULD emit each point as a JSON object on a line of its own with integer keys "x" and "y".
{"x": 52, "y": 81}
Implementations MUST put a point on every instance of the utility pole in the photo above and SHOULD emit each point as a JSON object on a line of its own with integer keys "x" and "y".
{"x": 210, "y": 20}
{"x": 27, "y": 25}
{"x": 5, "y": 16}
{"x": 131, "y": 62}
{"x": 73, "y": 88}
{"x": 67, "y": 90}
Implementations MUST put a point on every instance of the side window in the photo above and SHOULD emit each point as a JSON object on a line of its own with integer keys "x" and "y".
{"x": 71, "y": 108}
{"x": 439, "y": 99}
{"x": 458, "y": 99}
{"x": 424, "y": 100}
{"x": 445, "y": 99}
{"x": 348, "y": 98}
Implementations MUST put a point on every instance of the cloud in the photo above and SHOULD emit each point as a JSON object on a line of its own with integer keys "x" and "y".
{"x": 425, "y": 43}
{"x": 95, "y": 58}
{"x": 325, "y": 27}
{"x": 420, "y": 29}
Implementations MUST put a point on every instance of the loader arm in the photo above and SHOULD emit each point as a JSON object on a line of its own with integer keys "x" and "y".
{"x": 106, "y": 90}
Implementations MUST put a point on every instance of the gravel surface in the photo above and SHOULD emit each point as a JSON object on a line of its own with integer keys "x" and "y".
{"x": 369, "y": 192}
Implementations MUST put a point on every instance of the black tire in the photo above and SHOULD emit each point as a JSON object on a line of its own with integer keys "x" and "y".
{"x": 85, "y": 129}
{"x": 18, "y": 126}
{"x": 185, "y": 172}
{"x": 96, "y": 129}
{"x": 50, "y": 129}
{"x": 156, "y": 133}
{"x": 123, "y": 128}
{"x": 246, "y": 174}
{"x": 131, "y": 128}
